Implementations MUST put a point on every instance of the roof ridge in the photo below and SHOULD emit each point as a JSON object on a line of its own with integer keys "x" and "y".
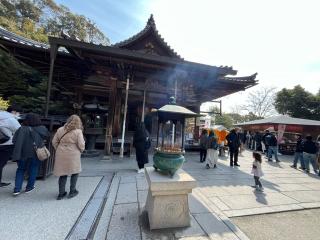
{"x": 149, "y": 26}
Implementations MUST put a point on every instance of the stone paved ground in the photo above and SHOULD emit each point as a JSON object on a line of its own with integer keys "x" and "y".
{"x": 221, "y": 194}
{"x": 38, "y": 215}
{"x": 294, "y": 225}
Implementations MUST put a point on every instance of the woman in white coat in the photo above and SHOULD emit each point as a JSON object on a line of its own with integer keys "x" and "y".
{"x": 69, "y": 144}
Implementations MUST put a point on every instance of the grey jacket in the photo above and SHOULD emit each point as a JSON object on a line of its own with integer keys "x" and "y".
{"x": 8, "y": 125}
{"x": 23, "y": 141}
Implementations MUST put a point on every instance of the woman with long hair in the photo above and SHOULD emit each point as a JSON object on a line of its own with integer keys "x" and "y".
{"x": 69, "y": 144}
{"x": 30, "y": 135}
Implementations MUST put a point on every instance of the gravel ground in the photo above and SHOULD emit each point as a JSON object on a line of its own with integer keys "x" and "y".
{"x": 294, "y": 225}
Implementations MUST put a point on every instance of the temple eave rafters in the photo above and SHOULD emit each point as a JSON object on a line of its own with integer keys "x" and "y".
{"x": 243, "y": 79}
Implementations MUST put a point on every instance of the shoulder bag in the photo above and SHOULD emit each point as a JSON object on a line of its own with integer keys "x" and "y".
{"x": 62, "y": 137}
{"x": 42, "y": 152}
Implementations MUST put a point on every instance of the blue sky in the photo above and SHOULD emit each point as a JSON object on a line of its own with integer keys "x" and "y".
{"x": 277, "y": 39}
{"x": 117, "y": 19}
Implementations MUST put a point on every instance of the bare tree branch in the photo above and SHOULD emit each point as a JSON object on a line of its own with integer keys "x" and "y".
{"x": 261, "y": 101}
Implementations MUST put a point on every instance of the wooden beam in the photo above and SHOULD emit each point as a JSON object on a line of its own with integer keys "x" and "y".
{"x": 53, "y": 52}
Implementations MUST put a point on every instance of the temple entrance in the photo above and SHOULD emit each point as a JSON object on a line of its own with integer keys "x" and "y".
{"x": 93, "y": 108}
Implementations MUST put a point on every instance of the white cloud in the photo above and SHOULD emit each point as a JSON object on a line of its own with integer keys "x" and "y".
{"x": 278, "y": 39}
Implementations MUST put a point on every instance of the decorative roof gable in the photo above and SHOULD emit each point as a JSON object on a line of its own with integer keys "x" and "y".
{"x": 149, "y": 41}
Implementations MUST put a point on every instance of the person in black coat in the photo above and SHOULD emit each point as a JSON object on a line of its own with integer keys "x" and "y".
{"x": 266, "y": 143}
{"x": 298, "y": 155}
{"x": 203, "y": 145}
{"x": 234, "y": 143}
{"x": 310, "y": 150}
{"x": 31, "y": 134}
{"x": 141, "y": 142}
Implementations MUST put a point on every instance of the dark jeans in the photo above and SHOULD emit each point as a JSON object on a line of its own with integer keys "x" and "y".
{"x": 234, "y": 157}
{"x": 63, "y": 181}
{"x": 5, "y": 154}
{"x": 140, "y": 165}
{"x": 298, "y": 156}
{"x": 257, "y": 181}
{"x": 203, "y": 154}
{"x": 30, "y": 164}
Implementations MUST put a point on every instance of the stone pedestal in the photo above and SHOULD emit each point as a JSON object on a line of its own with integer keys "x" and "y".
{"x": 167, "y": 202}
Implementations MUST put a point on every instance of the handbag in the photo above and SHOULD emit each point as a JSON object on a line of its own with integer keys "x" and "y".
{"x": 41, "y": 152}
{"x": 3, "y": 137}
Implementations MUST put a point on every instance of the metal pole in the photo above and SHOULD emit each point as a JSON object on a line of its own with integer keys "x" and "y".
{"x": 143, "y": 105}
{"x": 124, "y": 117}
{"x": 173, "y": 125}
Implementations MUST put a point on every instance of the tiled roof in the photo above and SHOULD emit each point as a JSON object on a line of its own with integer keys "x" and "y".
{"x": 10, "y": 36}
{"x": 13, "y": 37}
{"x": 250, "y": 78}
{"x": 151, "y": 26}
{"x": 282, "y": 119}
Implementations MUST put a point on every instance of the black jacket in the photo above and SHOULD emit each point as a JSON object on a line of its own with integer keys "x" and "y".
{"x": 140, "y": 140}
{"x": 299, "y": 146}
{"x": 264, "y": 138}
{"x": 233, "y": 141}
{"x": 309, "y": 147}
{"x": 23, "y": 141}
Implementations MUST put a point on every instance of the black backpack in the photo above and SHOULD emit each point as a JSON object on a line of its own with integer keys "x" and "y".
{"x": 3, "y": 137}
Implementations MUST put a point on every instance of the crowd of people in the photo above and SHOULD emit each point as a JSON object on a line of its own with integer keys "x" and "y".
{"x": 306, "y": 151}
{"x": 210, "y": 145}
{"x": 20, "y": 141}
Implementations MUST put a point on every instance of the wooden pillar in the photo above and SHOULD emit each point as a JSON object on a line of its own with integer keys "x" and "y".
{"x": 112, "y": 101}
{"x": 53, "y": 54}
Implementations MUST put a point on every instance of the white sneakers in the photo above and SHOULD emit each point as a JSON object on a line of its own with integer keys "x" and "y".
{"x": 140, "y": 170}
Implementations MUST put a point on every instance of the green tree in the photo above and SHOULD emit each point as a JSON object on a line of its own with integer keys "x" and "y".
{"x": 37, "y": 19}
{"x": 3, "y": 104}
{"x": 224, "y": 120}
{"x": 298, "y": 102}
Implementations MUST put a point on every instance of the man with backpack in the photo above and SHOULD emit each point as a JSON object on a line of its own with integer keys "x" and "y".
{"x": 8, "y": 126}
{"x": 272, "y": 142}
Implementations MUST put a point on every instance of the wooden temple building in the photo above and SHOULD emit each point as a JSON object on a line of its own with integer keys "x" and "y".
{"x": 124, "y": 80}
